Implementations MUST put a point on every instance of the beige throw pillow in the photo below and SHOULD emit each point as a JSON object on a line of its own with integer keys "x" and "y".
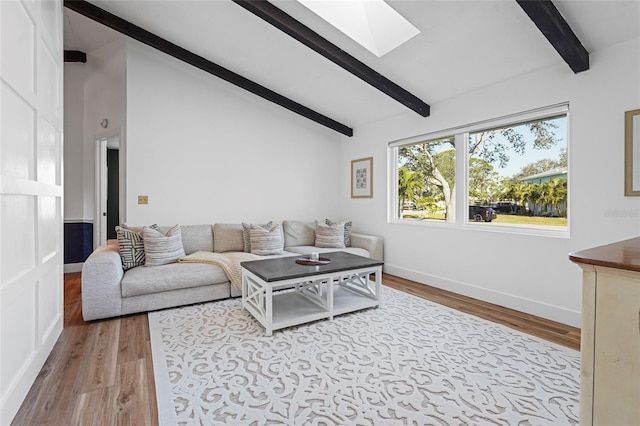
{"x": 329, "y": 236}
{"x": 266, "y": 241}
{"x": 162, "y": 249}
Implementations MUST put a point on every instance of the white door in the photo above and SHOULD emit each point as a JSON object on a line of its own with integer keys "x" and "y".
{"x": 31, "y": 194}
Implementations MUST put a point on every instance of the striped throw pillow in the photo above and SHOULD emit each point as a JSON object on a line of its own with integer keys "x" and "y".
{"x": 266, "y": 241}
{"x": 162, "y": 249}
{"x": 131, "y": 246}
{"x": 347, "y": 230}
{"x": 329, "y": 236}
{"x": 246, "y": 234}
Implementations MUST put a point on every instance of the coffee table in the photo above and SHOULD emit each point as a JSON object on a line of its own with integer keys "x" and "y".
{"x": 280, "y": 293}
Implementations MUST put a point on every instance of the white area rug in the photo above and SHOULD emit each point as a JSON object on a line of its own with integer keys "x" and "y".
{"x": 410, "y": 361}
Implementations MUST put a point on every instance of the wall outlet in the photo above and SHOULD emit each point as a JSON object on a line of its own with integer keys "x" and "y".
{"x": 143, "y": 199}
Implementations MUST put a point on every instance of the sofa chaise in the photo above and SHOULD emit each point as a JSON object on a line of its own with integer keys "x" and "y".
{"x": 108, "y": 290}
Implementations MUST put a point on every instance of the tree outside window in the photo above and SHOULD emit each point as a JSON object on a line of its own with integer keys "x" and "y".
{"x": 426, "y": 184}
{"x": 519, "y": 170}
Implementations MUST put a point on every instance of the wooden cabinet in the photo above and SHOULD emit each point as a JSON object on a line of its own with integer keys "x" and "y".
{"x": 610, "y": 347}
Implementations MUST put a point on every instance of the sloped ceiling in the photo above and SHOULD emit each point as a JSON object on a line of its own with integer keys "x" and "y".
{"x": 463, "y": 45}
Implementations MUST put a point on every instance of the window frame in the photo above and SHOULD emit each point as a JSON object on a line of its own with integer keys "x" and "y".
{"x": 461, "y": 135}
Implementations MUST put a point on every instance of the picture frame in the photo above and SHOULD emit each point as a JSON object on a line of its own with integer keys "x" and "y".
{"x": 361, "y": 178}
{"x": 632, "y": 153}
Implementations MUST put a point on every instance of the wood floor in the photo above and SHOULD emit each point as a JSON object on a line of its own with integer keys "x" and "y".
{"x": 101, "y": 372}
{"x": 543, "y": 328}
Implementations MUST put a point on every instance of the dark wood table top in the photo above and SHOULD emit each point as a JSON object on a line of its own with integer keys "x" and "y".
{"x": 284, "y": 268}
{"x": 620, "y": 255}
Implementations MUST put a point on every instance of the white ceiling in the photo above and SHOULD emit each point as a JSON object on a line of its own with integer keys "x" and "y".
{"x": 463, "y": 45}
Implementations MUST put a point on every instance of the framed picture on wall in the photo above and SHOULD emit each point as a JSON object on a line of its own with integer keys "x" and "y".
{"x": 632, "y": 152}
{"x": 361, "y": 178}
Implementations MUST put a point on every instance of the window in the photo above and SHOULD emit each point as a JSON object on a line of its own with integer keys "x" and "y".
{"x": 514, "y": 173}
{"x": 426, "y": 179}
{"x": 520, "y": 171}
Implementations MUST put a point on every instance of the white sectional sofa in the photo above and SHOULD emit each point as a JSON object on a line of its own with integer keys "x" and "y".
{"x": 110, "y": 291}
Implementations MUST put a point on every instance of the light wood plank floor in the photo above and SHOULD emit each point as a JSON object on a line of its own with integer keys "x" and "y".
{"x": 101, "y": 372}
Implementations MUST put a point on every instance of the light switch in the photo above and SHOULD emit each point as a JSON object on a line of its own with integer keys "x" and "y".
{"x": 143, "y": 199}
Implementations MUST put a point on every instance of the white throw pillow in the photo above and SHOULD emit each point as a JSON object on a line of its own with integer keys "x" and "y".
{"x": 162, "y": 249}
{"x": 330, "y": 236}
{"x": 266, "y": 241}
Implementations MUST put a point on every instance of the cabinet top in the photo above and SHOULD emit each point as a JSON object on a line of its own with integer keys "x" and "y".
{"x": 620, "y": 255}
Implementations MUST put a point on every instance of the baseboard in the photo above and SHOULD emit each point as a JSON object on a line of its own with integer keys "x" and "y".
{"x": 73, "y": 267}
{"x": 18, "y": 390}
{"x": 529, "y": 306}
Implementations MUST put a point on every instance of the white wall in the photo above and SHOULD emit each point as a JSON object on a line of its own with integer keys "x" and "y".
{"x": 205, "y": 151}
{"x": 74, "y": 74}
{"x": 524, "y": 272}
{"x": 93, "y": 90}
{"x": 31, "y": 254}
{"x": 104, "y": 97}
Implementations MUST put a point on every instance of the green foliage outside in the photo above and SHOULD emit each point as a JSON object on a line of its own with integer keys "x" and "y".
{"x": 427, "y": 176}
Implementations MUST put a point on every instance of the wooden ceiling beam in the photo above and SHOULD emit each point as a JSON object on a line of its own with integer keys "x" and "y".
{"x": 286, "y": 23}
{"x": 550, "y": 22}
{"x": 137, "y": 33}
{"x": 75, "y": 56}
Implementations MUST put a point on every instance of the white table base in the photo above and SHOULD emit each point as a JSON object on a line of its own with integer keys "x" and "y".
{"x": 312, "y": 297}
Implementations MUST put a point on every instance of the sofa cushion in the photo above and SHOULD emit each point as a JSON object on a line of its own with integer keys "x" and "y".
{"x": 227, "y": 237}
{"x": 297, "y": 233}
{"x": 305, "y": 250}
{"x": 329, "y": 236}
{"x": 161, "y": 249}
{"x": 146, "y": 280}
{"x": 266, "y": 241}
{"x": 347, "y": 230}
{"x": 246, "y": 234}
{"x": 197, "y": 238}
{"x": 194, "y": 237}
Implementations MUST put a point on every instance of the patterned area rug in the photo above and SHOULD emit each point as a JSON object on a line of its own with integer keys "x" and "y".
{"x": 409, "y": 361}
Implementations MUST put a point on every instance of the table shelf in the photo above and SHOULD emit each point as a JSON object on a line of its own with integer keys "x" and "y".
{"x": 346, "y": 300}
{"x": 292, "y": 308}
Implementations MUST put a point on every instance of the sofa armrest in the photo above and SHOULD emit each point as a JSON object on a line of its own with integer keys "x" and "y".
{"x": 101, "y": 276}
{"x": 371, "y": 243}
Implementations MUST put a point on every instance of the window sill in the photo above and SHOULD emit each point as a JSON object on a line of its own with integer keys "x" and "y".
{"x": 538, "y": 231}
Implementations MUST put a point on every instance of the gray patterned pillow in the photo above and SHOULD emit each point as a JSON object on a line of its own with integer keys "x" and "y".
{"x": 246, "y": 234}
{"x": 347, "y": 230}
{"x": 266, "y": 241}
{"x": 329, "y": 236}
{"x": 131, "y": 245}
{"x": 161, "y": 249}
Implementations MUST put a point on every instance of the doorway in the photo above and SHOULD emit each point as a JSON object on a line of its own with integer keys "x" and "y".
{"x": 107, "y": 188}
{"x": 113, "y": 193}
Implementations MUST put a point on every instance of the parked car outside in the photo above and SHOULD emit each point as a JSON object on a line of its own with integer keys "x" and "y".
{"x": 481, "y": 213}
{"x": 504, "y": 207}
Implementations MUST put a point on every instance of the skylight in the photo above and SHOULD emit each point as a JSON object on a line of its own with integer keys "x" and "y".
{"x": 372, "y": 23}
